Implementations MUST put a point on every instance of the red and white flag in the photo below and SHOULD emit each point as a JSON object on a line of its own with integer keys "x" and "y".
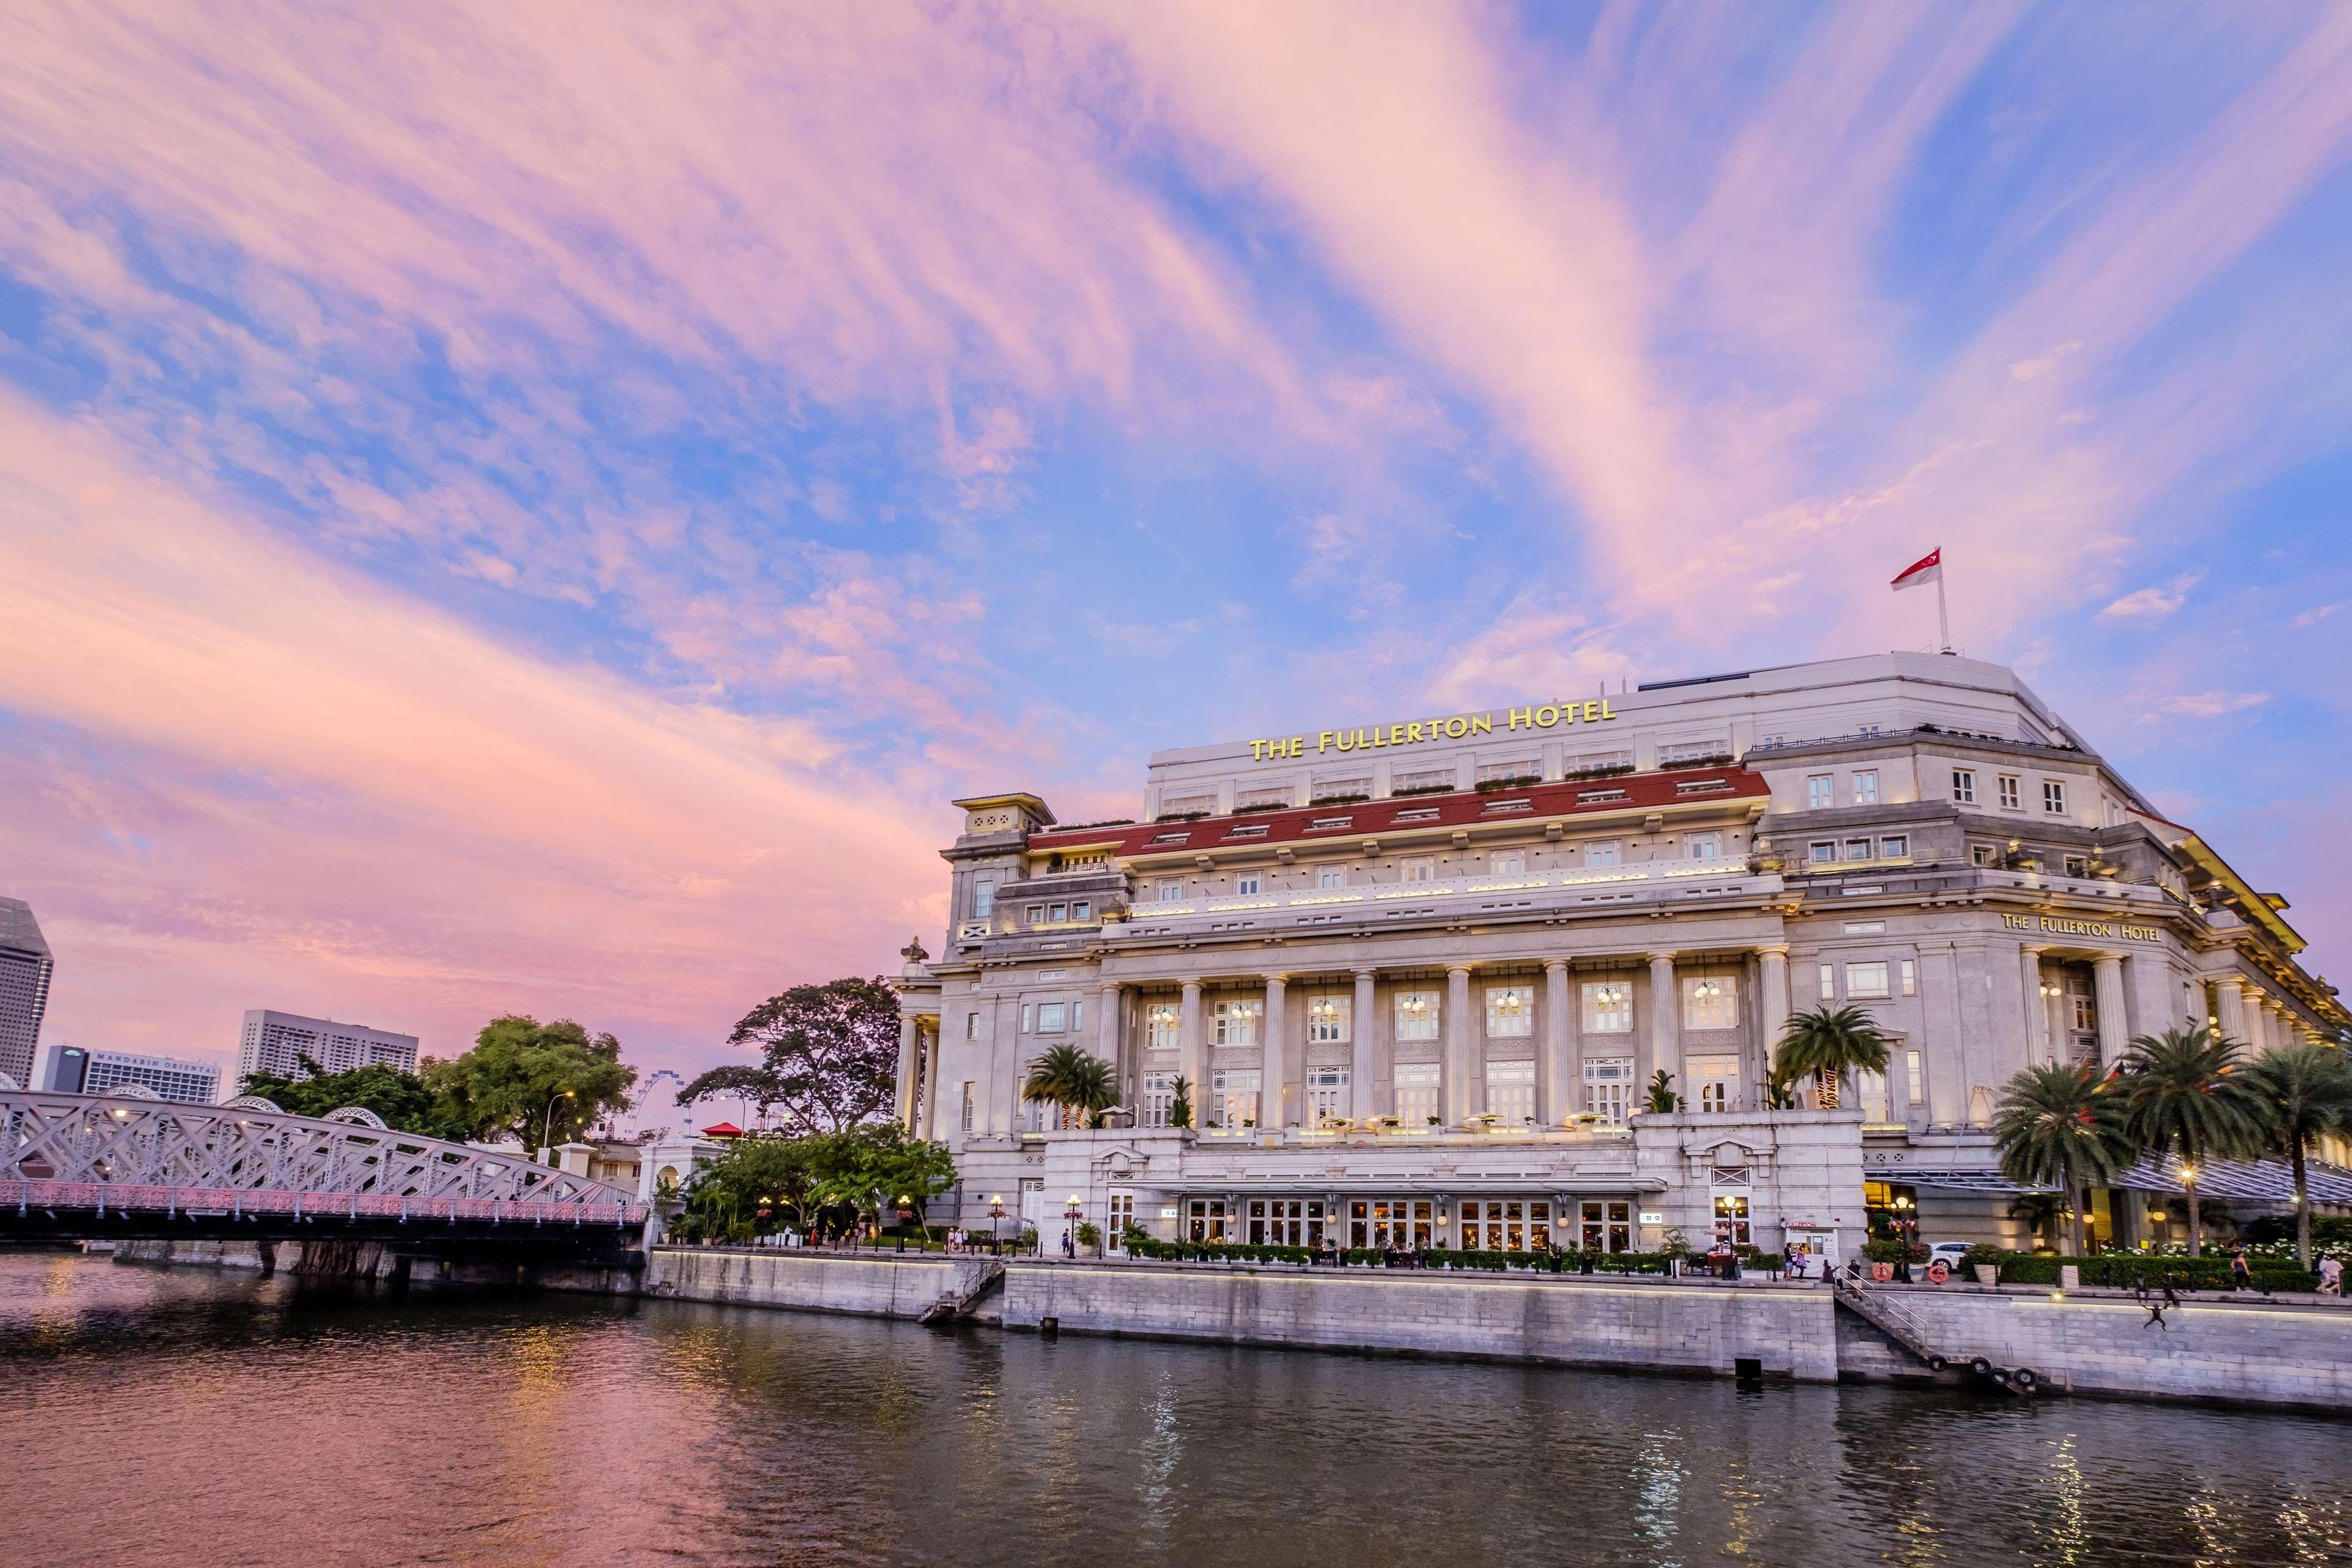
{"x": 1927, "y": 569}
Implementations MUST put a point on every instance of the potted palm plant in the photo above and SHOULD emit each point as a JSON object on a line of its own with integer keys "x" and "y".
{"x": 1825, "y": 1045}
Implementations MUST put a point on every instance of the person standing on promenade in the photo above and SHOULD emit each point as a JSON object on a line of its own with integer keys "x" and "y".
{"x": 2242, "y": 1273}
{"x": 2331, "y": 1277}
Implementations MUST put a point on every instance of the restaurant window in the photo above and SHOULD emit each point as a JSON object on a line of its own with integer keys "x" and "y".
{"x": 1326, "y": 1095}
{"x": 1607, "y": 1007}
{"x": 1163, "y": 1026}
{"x": 1731, "y": 1220}
{"x": 1511, "y": 1092}
{"x": 1238, "y": 1022}
{"x": 1233, "y": 1098}
{"x": 1865, "y": 787}
{"x": 1510, "y": 1012}
{"x": 1505, "y": 1224}
{"x": 1606, "y": 1224}
{"x": 1328, "y": 1019}
{"x": 1964, "y": 787}
{"x": 1710, "y": 1002}
{"x": 1866, "y": 981}
{"x": 1159, "y": 1097}
{"x": 1204, "y": 1220}
{"x": 1715, "y": 1082}
{"x": 2008, "y": 797}
{"x": 1285, "y": 1222}
{"x": 1609, "y": 1088}
{"x": 1416, "y": 1093}
{"x": 1392, "y": 1224}
{"x": 1416, "y": 1015}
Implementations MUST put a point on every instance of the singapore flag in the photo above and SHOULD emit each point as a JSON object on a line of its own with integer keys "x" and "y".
{"x": 1921, "y": 572}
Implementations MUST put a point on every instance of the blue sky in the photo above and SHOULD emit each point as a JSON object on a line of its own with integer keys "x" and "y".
{"x": 540, "y": 509}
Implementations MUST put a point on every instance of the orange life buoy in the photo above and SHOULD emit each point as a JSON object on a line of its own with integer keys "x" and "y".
{"x": 1881, "y": 1272}
{"x": 1938, "y": 1271}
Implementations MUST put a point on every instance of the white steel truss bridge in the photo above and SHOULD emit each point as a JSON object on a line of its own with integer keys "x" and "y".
{"x": 120, "y": 1165}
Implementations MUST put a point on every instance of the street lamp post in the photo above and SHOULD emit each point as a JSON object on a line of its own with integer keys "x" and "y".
{"x": 996, "y": 1220}
{"x": 547, "y": 1127}
{"x": 1070, "y": 1218}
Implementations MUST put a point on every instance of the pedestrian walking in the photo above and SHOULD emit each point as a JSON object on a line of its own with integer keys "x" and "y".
{"x": 2242, "y": 1273}
{"x": 2331, "y": 1277}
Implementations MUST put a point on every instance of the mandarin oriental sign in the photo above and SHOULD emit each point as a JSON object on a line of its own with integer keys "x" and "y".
{"x": 1420, "y": 731}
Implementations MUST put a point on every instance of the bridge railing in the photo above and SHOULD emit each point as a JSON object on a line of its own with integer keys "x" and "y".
{"x": 112, "y": 1197}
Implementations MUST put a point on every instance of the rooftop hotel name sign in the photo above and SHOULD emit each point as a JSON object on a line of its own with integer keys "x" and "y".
{"x": 1420, "y": 731}
{"x": 2063, "y": 927}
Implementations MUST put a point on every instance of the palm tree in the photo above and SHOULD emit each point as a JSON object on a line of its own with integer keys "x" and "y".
{"x": 1663, "y": 1100}
{"x": 2059, "y": 1125}
{"x": 1827, "y": 1043}
{"x": 1069, "y": 1078}
{"x": 2183, "y": 1093}
{"x": 1180, "y": 1102}
{"x": 2041, "y": 1212}
{"x": 2309, "y": 1091}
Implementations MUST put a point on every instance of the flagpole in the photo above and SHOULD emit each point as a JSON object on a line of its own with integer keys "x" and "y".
{"x": 1943, "y": 616}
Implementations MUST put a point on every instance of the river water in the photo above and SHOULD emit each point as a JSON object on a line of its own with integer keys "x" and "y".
{"x": 194, "y": 1418}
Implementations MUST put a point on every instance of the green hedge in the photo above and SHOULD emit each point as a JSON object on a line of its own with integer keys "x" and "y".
{"x": 2128, "y": 1271}
{"x": 1435, "y": 1257}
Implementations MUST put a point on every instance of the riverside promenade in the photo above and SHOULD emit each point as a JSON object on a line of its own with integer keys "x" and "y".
{"x": 2284, "y": 1352}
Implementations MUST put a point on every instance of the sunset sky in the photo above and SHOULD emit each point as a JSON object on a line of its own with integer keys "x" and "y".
{"x": 521, "y": 508}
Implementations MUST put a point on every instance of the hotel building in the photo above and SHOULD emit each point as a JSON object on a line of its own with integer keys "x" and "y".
{"x": 275, "y": 1043}
{"x": 25, "y": 969}
{"x": 70, "y": 1069}
{"x": 1418, "y": 976}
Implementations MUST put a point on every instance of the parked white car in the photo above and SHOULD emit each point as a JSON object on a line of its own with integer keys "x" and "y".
{"x": 1949, "y": 1252}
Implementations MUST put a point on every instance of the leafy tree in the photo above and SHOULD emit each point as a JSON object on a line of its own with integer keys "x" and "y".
{"x": 2042, "y": 1213}
{"x": 1071, "y": 1079}
{"x": 2309, "y": 1092}
{"x": 861, "y": 1170}
{"x": 828, "y": 1056}
{"x": 404, "y": 1101}
{"x": 1662, "y": 1098}
{"x": 2059, "y": 1125}
{"x": 518, "y": 1067}
{"x": 2183, "y": 1094}
{"x": 1828, "y": 1043}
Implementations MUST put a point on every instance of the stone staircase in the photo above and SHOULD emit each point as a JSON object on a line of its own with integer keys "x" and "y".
{"x": 1891, "y": 1317}
{"x": 972, "y": 1279}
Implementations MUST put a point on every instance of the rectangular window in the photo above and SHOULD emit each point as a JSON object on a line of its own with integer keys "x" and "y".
{"x": 971, "y": 1025}
{"x": 1865, "y": 787}
{"x": 1857, "y": 849}
{"x": 1058, "y": 913}
{"x": 1052, "y": 1017}
{"x": 1715, "y": 1082}
{"x": 1710, "y": 1002}
{"x": 1331, "y": 876}
{"x": 1703, "y": 846}
{"x": 970, "y": 1088}
{"x": 1818, "y": 792}
{"x": 1238, "y": 1022}
{"x": 1910, "y": 978}
{"x": 1421, "y": 869}
{"x": 1078, "y": 1015}
{"x": 1416, "y": 1015}
{"x": 1982, "y": 855}
{"x": 2009, "y": 791}
{"x": 1035, "y": 913}
{"x": 1163, "y": 1026}
{"x": 1604, "y": 853}
{"x": 2054, "y": 797}
{"x": 2077, "y": 866}
{"x": 1205, "y": 1221}
{"x": 1896, "y": 846}
{"x": 1328, "y": 1019}
{"x": 1829, "y": 983}
{"x": 1082, "y": 912}
{"x": 1507, "y": 863}
{"x": 1606, "y": 1226}
{"x": 1609, "y": 1090}
{"x": 1171, "y": 892}
{"x": 1866, "y": 981}
{"x": 983, "y": 898}
{"x": 1964, "y": 787}
{"x": 1416, "y": 1093}
{"x": 1510, "y": 1012}
{"x": 1326, "y": 1095}
{"x": 1246, "y": 884}
{"x": 1917, "y": 1081}
{"x": 1025, "y": 1017}
{"x": 1159, "y": 1097}
{"x": 1822, "y": 852}
{"x": 1731, "y": 1220}
{"x": 1868, "y": 1092}
{"x": 1233, "y": 1098}
{"x": 1511, "y": 1092}
{"x": 1607, "y": 1007}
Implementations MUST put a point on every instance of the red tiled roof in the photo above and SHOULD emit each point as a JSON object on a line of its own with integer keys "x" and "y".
{"x": 722, "y": 1130}
{"x": 1462, "y": 808}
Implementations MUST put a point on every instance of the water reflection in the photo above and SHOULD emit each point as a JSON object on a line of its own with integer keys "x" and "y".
{"x": 300, "y": 1427}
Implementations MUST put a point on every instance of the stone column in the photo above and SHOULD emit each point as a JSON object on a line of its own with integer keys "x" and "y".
{"x": 2258, "y": 1022}
{"x": 927, "y": 1114}
{"x": 2037, "y": 1008}
{"x": 1109, "y": 1045}
{"x": 1364, "y": 1075}
{"x": 1460, "y": 1100}
{"x": 2230, "y": 991}
{"x": 1272, "y": 1093}
{"x": 908, "y": 1034}
{"x": 1665, "y": 1025}
{"x": 1771, "y": 1012}
{"x": 2107, "y": 981}
{"x": 1557, "y": 1070}
{"x": 1190, "y": 1057}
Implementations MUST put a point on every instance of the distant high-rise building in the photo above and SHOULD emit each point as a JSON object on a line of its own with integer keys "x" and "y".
{"x": 24, "y": 970}
{"x": 276, "y": 1043}
{"x": 70, "y": 1069}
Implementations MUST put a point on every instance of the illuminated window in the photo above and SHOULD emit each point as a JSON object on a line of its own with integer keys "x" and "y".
{"x": 1715, "y": 1082}
{"x": 1327, "y": 1019}
{"x": 1607, "y": 1007}
{"x": 1609, "y": 1090}
{"x": 1710, "y": 1002}
{"x": 1052, "y": 1017}
{"x": 1910, "y": 978}
{"x": 1238, "y": 1022}
{"x": 1416, "y": 1015}
{"x": 1416, "y": 1093}
{"x": 1731, "y": 1221}
{"x": 1233, "y": 1098}
{"x": 1866, "y": 981}
{"x": 1326, "y": 1094}
{"x": 1511, "y": 1092}
{"x": 1163, "y": 1026}
{"x": 1510, "y": 1011}
{"x": 1159, "y": 1097}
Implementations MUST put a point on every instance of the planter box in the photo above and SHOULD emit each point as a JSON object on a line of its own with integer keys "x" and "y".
{"x": 1986, "y": 1272}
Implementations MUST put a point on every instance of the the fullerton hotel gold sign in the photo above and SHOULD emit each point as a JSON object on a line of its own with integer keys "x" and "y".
{"x": 1419, "y": 731}
{"x": 2063, "y": 927}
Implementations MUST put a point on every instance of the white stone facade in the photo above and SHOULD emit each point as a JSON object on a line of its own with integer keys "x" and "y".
{"x": 1439, "y": 961}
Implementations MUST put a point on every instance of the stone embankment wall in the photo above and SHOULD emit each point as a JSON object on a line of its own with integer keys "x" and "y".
{"x": 884, "y": 1285}
{"x": 1787, "y": 1330}
{"x": 2278, "y": 1352}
